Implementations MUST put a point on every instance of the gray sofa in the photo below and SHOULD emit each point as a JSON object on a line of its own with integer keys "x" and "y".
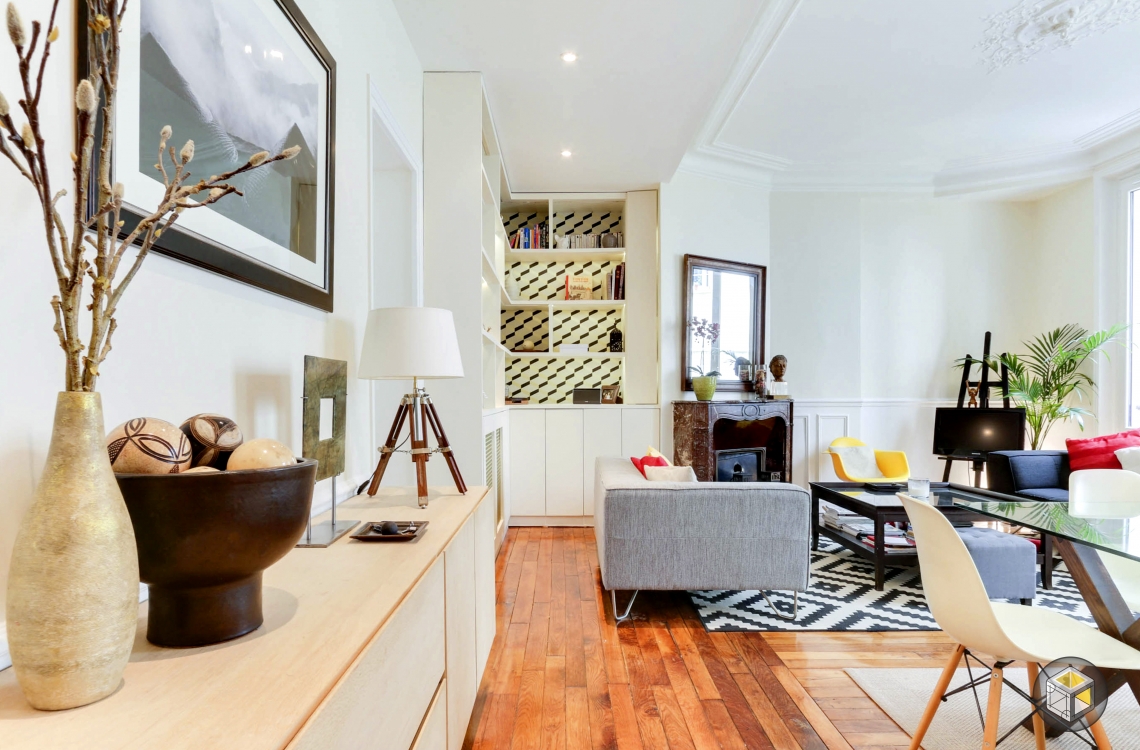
{"x": 711, "y": 535}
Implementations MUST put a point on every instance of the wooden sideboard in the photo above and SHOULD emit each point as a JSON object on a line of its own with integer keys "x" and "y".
{"x": 365, "y": 645}
{"x": 743, "y": 424}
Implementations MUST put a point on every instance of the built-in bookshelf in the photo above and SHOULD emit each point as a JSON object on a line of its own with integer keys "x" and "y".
{"x": 547, "y": 239}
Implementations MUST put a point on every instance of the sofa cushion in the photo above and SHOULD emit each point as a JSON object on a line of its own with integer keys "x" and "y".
{"x": 642, "y": 461}
{"x": 1033, "y": 471}
{"x": 1129, "y": 458}
{"x": 1052, "y": 494}
{"x": 1099, "y": 452}
{"x": 670, "y": 474}
{"x": 651, "y": 451}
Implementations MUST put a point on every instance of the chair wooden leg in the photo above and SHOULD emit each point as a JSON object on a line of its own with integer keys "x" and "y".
{"x": 1038, "y": 722}
{"x": 936, "y": 697}
{"x": 1100, "y": 736}
{"x": 989, "y": 739}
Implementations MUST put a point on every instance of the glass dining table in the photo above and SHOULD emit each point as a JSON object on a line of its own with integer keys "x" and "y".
{"x": 1082, "y": 533}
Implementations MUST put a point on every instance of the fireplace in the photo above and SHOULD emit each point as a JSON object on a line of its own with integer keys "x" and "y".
{"x": 734, "y": 440}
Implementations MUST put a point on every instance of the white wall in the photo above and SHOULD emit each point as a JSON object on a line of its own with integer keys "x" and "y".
{"x": 191, "y": 341}
{"x": 712, "y": 218}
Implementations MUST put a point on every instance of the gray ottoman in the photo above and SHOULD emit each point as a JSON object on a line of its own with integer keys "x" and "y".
{"x": 1006, "y": 563}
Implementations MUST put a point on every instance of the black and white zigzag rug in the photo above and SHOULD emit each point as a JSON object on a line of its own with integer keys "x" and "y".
{"x": 841, "y": 596}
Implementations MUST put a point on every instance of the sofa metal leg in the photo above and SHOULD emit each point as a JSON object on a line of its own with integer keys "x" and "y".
{"x": 619, "y": 619}
{"x": 795, "y": 606}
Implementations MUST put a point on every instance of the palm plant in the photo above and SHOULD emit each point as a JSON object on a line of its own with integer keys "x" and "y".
{"x": 1046, "y": 379}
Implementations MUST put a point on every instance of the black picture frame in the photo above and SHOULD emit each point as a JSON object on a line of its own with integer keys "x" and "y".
{"x": 197, "y": 250}
{"x": 759, "y": 302}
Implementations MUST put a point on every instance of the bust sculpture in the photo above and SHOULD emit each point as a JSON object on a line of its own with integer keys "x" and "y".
{"x": 778, "y": 366}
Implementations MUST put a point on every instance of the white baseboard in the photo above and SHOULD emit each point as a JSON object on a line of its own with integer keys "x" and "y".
{"x": 552, "y": 521}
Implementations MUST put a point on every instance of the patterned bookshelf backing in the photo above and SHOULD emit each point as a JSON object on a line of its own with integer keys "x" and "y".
{"x": 540, "y": 281}
{"x": 552, "y": 380}
{"x": 587, "y": 222}
{"x": 519, "y": 325}
{"x": 585, "y": 327}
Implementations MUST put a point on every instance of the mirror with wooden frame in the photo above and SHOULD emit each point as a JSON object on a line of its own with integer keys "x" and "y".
{"x": 723, "y": 326}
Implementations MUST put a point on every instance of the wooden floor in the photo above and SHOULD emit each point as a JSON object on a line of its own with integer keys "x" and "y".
{"x": 561, "y": 675}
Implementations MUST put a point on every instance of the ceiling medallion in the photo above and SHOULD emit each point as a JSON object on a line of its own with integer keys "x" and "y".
{"x": 1015, "y": 35}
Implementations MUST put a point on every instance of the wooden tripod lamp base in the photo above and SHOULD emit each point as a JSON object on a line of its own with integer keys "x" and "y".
{"x": 417, "y": 409}
{"x": 412, "y": 343}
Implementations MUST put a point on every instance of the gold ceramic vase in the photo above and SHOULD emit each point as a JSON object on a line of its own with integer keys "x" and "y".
{"x": 73, "y": 586}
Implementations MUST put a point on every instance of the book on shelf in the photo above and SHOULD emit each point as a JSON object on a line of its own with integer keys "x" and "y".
{"x": 889, "y": 540}
{"x": 579, "y": 287}
{"x": 530, "y": 238}
{"x": 589, "y": 241}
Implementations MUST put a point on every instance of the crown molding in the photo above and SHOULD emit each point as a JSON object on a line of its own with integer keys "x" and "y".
{"x": 718, "y": 167}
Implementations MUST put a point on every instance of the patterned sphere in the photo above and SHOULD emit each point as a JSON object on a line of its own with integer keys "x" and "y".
{"x": 212, "y": 439}
{"x": 202, "y": 470}
{"x": 262, "y": 453}
{"x": 148, "y": 446}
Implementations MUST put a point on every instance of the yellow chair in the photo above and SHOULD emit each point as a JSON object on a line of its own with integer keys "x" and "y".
{"x": 892, "y": 464}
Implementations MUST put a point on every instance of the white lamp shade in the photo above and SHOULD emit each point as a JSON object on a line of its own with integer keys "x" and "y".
{"x": 401, "y": 343}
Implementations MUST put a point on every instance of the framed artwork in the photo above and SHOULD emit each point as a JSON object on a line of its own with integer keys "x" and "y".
{"x": 236, "y": 77}
{"x": 610, "y": 394}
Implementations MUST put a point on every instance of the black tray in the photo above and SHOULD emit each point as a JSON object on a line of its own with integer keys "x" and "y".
{"x": 366, "y": 534}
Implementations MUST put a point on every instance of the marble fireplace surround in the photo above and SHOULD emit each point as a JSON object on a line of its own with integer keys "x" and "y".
{"x": 743, "y": 424}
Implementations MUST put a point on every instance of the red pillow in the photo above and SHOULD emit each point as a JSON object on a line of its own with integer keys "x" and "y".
{"x": 1099, "y": 452}
{"x": 644, "y": 461}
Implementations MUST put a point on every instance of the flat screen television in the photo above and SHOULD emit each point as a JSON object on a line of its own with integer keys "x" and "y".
{"x": 972, "y": 433}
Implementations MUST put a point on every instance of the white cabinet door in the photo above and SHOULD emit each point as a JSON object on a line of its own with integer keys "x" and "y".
{"x": 459, "y": 595}
{"x": 484, "y": 584}
{"x": 528, "y": 462}
{"x": 639, "y": 430}
{"x": 564, "y": 462}
{"x": 601, "y": 439}
{"x": 433, "y": 732}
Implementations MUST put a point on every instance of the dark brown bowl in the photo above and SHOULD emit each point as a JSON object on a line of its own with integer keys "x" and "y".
{"x": 204, "y": 540}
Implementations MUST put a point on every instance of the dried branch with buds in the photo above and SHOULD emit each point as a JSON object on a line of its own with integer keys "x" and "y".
{"x": 102, "y": 230}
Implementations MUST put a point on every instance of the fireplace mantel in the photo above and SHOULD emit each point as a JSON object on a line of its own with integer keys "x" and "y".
{"x": 749, "y": 424}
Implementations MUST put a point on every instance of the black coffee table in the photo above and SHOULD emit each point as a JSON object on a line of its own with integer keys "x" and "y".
{"x": 881, "y": 507}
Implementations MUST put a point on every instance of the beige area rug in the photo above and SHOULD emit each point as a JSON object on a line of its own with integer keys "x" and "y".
{"x": 903, "y": 693}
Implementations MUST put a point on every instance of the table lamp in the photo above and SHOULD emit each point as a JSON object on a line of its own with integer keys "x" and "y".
{"x": 412, "y": 343}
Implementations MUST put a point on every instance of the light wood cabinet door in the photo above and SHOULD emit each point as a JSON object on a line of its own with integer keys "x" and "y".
{"x": 433, "y": 732}
{"x": 459, "y": 558}
{"x": 484, "y": 584}
{"x": 601, "y": 438}
{"x": 564, "y": 462}
{"x": 640, "y": 428}
{"x": 381, "y": 701}
{"x": 528, "y": 462}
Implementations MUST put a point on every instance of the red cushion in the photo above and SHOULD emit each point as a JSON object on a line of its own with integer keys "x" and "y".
{"x": 1099, "y": 452}
{"x": 644, "y": 461}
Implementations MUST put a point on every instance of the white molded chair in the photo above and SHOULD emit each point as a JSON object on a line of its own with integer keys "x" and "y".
{"x": 1008, "y": 632}
{"x": 1110, "y": 493}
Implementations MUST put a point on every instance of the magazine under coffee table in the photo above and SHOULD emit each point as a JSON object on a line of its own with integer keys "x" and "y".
{"x": 880, "y": 507}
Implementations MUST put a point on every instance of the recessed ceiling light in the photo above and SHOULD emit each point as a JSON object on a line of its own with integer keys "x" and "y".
{"x": 566, "y": 152}
{"x": 569, "y": 57}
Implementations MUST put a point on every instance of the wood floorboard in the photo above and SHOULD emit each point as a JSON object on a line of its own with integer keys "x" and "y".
{"x": 562, "y": 675}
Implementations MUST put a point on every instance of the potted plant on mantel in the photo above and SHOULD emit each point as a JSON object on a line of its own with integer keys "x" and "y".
{"x": 72, "y": 598}
{"x": 704, "y": 383}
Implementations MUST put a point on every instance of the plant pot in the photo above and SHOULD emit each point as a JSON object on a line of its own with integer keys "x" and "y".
{"x": 73, "y": 587}
{"x": 204, "y": 540}
{"x": 704, "y": 387}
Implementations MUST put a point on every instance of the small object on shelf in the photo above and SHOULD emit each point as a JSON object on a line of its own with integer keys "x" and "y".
{"x": 610, "y": 393}
{"x": 616, "y": 344}
{"x": 563, "y": 241}
{"x": 526, "y": 346}
{"x": 778, "y": 366}
{"x": 148, "y": 446}
{"x": 573, "y": 348}
{"x": 760, "y": 382}
{"x": 587, "y": 395}
{"x": 610, "y": 240}
{"x": 513, "y": 291}
{"x": 390, "y": 531}
{"x": 518, "y": 400}
{"x": 212, "y": 439}
{"x": 262, "y": 453}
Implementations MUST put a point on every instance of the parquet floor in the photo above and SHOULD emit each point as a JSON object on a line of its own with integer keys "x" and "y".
{"x": 561, "y": 675}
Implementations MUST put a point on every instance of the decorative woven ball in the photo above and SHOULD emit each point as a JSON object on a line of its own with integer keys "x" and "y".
{"x": 262, "y": 453}
{"x": 202, "y": 470}
{"x": 212, "y": 439}
{"x": 148, "y": 446}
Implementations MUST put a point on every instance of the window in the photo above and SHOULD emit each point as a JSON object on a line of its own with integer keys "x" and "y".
{"x": 1133, "y": 310}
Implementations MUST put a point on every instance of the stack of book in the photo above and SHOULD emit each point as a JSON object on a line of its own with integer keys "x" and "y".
{"x": 531, "y": 238}
{"x": 607, "y": 240}
{"x": 860, "y": 527}
{"x": 614, "y": 287}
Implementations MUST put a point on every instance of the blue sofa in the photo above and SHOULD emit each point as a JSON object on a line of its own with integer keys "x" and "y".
{"x": 1034, "y": 475}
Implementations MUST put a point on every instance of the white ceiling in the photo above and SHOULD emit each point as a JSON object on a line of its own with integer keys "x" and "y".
{"x": 647, "y": 73}
{"x": 805, "y": 94}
